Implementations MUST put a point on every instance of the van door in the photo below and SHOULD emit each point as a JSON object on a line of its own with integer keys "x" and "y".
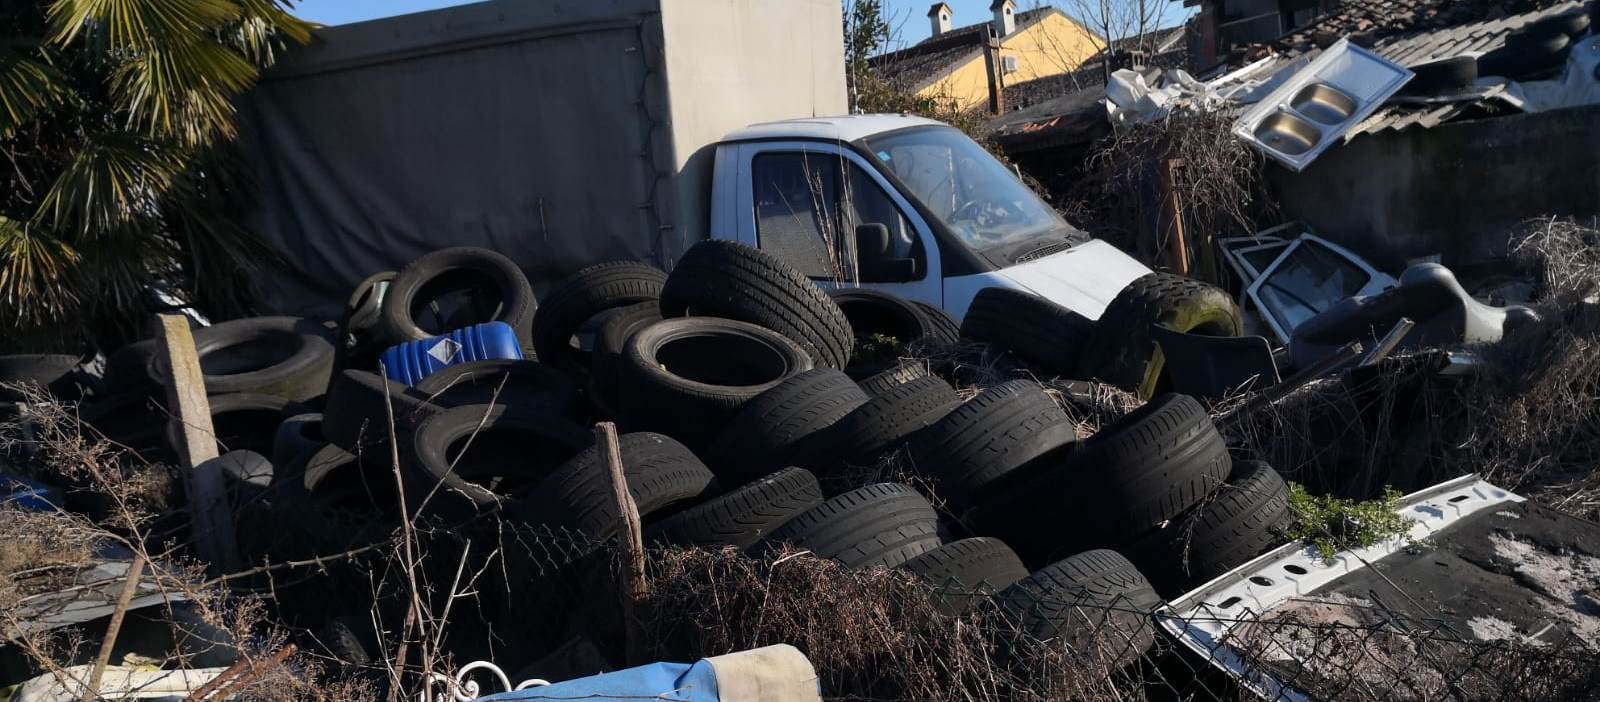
{"x": 806, "y": 203}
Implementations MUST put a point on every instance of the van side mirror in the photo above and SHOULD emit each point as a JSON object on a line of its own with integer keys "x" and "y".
{"x": 874, "y": 262}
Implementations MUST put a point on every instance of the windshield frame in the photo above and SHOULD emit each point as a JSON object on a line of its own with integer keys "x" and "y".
{"x": 998, "y": 256}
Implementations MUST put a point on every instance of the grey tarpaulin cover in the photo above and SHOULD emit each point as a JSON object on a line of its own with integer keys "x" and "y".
{"x": 523, "y": 127}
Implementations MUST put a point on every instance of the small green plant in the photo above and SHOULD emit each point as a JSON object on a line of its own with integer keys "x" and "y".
{"x": 1332, "y": 524}
{"x": 876, "y": 347}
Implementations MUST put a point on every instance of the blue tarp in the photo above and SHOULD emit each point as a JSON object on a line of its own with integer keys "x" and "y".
{"x": 677, "y": 682}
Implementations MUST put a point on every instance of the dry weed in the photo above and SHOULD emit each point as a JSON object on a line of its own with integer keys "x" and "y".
{"x": 871, "y": 634}
{"x": 1217, "y": 177}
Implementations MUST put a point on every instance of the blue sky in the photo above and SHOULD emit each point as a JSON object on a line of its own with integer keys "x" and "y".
{"x": 908, "y": 17}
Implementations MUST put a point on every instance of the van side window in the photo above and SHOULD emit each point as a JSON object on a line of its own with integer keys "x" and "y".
{"x": 806, "y": 217}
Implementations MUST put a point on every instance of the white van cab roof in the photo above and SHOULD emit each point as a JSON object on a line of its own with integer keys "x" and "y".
{"x": 843, "y": 128}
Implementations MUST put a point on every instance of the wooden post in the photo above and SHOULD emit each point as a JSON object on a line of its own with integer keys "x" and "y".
{"x": 91, "y": 692}
{"x": 1172, "y": 216}
{"x": 210, "y": 520}
{"x": 634, "y": 586}
{"x": 993, "y": 64}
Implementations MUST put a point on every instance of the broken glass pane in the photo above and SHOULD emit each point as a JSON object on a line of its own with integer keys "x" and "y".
{"x": 1309, "y": 279}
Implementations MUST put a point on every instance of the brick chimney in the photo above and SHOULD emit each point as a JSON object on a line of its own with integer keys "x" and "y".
{"x": 939, "y": 18}
{"x": 1005, "y": 17}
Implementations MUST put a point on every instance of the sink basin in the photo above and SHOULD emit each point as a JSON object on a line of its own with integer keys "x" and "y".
{"x": 1324, "y": 104}
{"x": 1287, "y": 134}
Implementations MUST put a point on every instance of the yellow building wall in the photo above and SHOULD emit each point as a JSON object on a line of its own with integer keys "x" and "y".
{"x": 1051, "y": 46}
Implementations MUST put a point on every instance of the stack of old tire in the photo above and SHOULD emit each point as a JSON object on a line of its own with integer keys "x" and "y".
{"x": 758, "y": 411}
{"x": 803, "y": 429}
{"x": 1157, "y": 485}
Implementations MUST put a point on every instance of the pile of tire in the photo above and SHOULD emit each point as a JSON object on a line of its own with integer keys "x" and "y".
{"x": 1157, "y": 485}
{"x": 758, "y": 412}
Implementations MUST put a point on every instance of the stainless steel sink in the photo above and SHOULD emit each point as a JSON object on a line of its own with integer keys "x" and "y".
{"x": 1287, "y": 133}
{"x": 1324, "y": 104}
{"x": 1317, "y": 104}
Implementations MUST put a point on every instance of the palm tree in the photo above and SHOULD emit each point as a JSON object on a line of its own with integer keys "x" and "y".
{"x": 117, "y": 158}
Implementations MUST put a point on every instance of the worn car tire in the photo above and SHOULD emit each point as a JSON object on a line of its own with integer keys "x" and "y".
{"x": 966, "y": 570}
{"x": 1047, "y": 336}
{"x": 1096, "y": 602}
{"x": 338, "y": 502}
{"x": 945, "y": 329}
{"x": 1235, "y": 523}
{"x": 362, "y": 312}
{"x": 687, "y": 377}
{"x": 606, "y": 361}
{"x": 509, "y": 451}
{"x": 875, "y": 317}
{"x": 744, "y": 515}
{"x": 48, "y": 371}
{"x": 1447, "y": 75}
{"x": 1137, "y": 472}
{"x": 289, "y": 357}
{"x": 901, "y": 374}
{"x": 777, "y": 427}
{"x": 1571, "y": 24}
{"x": 885, "y": 524}
{"x": 862, "y": 436}
{"x": 727, "y": 279}
{"x": 1150, "y": 465}
{"x": 1535, "y": 55}
{"x": 412, "y": 289}
{"x": 521, "y": 384}
{"x": 579, "y": 298}
{"x": 127, "y": 370}
{"x": 661, "y": 473}
{"x": 1122, "y": 352}
{"x": 296, "y": 439}
{"x": 125, "y": 419}
{"x": 356, "y": 415}
{"x": 974, "y": 448}
{"x": 243, "y": 422}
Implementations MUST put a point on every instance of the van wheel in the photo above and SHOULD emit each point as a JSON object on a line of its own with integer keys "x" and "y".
{"x": 1121, "y": 351}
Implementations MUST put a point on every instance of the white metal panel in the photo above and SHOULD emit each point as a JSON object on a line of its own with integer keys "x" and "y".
{"x": 1084, "y": 278}
{"x": 843, "y": 127}
{"x": 1203, "y": 618}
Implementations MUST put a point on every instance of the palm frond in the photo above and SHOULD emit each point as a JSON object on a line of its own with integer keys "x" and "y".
{"x": 182, "y": 91}
{"x": 117, "y": 267}
{"x": 27, "y": 86}
{"x": 139, "y": 24}
{"x": 35, "y": 271}
{"x": 263, "y": 29}
{"x": 221, "y": 257}
{"x": 112, "y": 180}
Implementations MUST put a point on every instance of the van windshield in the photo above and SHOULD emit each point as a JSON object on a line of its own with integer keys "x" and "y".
{"x": 975, "y": 195}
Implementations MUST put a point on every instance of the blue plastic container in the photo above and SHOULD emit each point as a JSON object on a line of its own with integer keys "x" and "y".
{"x": 28, "y": 495}
{"x": 414, "y": 360}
